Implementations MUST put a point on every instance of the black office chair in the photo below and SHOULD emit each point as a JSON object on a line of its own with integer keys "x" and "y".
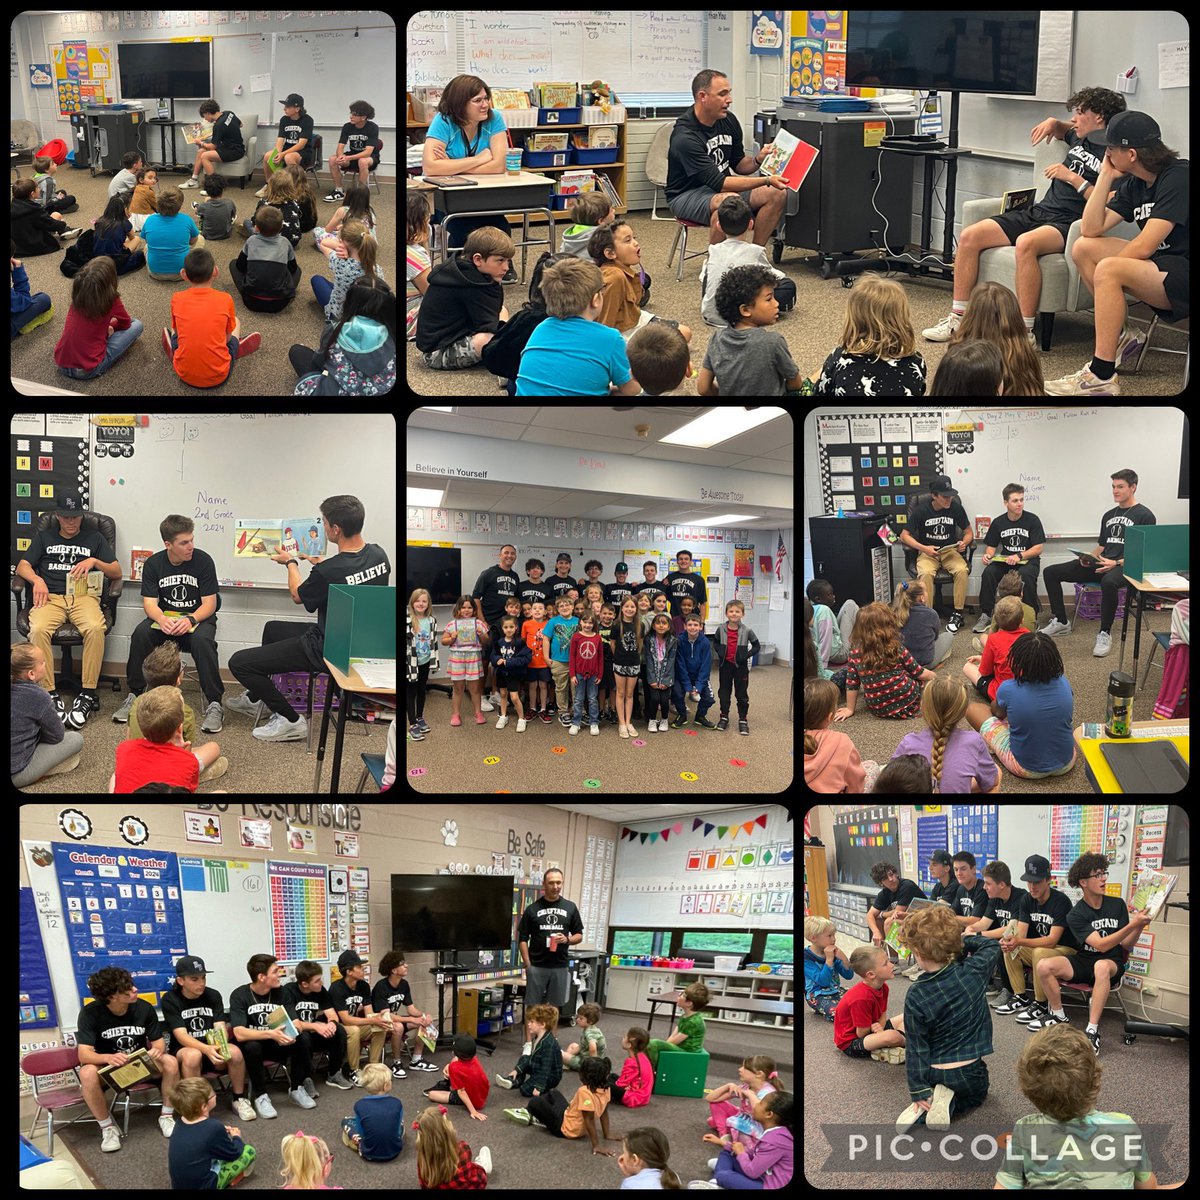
{"x": 66, "y": 637}
{"x": 943, "y": 576}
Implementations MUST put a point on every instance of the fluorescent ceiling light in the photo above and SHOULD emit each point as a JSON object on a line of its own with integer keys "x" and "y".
{"x": 719, "y": 426}
{"x": 425, "y": 497}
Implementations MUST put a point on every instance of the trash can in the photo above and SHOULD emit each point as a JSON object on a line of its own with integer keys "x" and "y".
{"x": 766, "y": 654}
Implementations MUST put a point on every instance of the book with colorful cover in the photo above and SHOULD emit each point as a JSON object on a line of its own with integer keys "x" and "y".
{"x": 789, "y": 157}
{"x": 1150, "y": 891}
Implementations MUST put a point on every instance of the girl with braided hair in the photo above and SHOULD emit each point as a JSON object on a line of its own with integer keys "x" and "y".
{"x": 1029, "y": 726}
{"x": 959, "y": 760}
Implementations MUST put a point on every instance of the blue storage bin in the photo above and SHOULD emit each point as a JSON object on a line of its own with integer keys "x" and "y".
{"x": 597, "y": 157}
{"x": 547, "y": 158}
{"x": 559, "y": 116}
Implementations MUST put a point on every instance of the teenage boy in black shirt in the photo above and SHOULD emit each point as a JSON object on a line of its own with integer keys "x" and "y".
{"x": 391, "y": 994}
{"x": 299, "y": 646}
{"x": 357, "y": 149}
{"x": 893, "y": 899}
{"x": 1013, "y": 536}
{"x": 1109, "y": 558}
{"x": 352, "y": 1002}
{"x": 1103, "y": 927}
{"x": 311, "y": 1008}
{"x": 933, "y": 533}
{"x": 561, "y": 582}
{"x": 970, "y": 900}
{"x": 180, "y": 580}
{"x": 614, "y": 593}
{"x": 650, "y": 584}
{"x": 685, "y": 582}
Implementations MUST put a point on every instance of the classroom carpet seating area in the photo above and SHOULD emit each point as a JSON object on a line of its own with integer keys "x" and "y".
{"x": 530, "y": 1158}
{"x": 877, "y": 737}
{"x": 812, "y": 329}
{"x": 454, "y": 759}
{"x": 873, "y": 1094}
{"x": 144, "y": 369}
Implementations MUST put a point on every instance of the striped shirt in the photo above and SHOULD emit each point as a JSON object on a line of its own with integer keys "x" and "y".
{"x": 892, "y": 692}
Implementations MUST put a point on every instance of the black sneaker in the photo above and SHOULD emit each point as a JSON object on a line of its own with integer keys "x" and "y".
{"x": 85, "y": 704}
{"x": 679, "y": 722}
{"x": 416, "y": 733}
{"x": 704, "y": 721}
{"x": 59, "y": 706}
{"x": 955, "y": 623}
{"x": 1094, "y": 1038}
{"x": 1032, "y": 1011}
{"x": 337, "y": 194}
{"x": 743, "y": 727}
{"x": 1013, "y": 1006}
{"x": 723, "y": 723}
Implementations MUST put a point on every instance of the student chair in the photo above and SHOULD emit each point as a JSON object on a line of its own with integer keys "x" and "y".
{"x": 66, "y": 636}
{"x": 374, "y": 766}
{"x": 1085, "y": 990}
{"x": 43, "y": 1064}
{"x": 318, "y": 161}
{"x": 1156, "y": 640}
{"x": 681, "y": 1073}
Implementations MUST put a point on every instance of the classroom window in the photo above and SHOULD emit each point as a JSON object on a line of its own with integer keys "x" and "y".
{"x": 779, "y": 948}
{"x": 633, "y": 941}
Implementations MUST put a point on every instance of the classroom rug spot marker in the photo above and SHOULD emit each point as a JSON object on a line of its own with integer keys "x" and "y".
{"x": 688, "y": 776}
{"x": 558, "y": 749}
{"x": 417, "y": 771}
{"x": 503, "y": 791}
{"x": 491, "y": 760}
{"x": 592, "y": 783}
{"x": 692, "y": 732}
{"x": 737, "y": 762}
{"x": 639, "y": 741}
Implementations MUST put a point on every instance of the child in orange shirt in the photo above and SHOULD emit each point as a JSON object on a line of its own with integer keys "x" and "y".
{"x": 539, "y": 669}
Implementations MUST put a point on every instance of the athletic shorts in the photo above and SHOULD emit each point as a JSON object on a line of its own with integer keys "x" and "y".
{"x": 1083, "y": 969}
{"x": 694, "y": 205}
{"x": 1024, "y": 219}
{"x": 1177, "y": 285}
{"x": 856, "y": 1049}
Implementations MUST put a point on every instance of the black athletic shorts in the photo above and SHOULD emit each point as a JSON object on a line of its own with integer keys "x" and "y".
{"x": 1177, "y": 285}
{"x": 1083, "y": 968}
{"x": 1022, "y": 220}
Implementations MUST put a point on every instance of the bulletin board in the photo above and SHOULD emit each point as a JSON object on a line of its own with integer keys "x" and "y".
{"x": 83, "y": 73}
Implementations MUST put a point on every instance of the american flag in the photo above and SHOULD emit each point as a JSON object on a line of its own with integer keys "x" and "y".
{"x": 780, "y": 555}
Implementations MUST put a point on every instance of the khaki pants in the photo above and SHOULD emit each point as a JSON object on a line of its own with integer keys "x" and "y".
{"x": 954, "y": 562}
{"x": 85, "y": 615}
{"x": 1030, "y": 957}
{"x": 354, "y": 1044}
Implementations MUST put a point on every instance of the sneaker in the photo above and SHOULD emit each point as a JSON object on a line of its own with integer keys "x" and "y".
{"x": 191, "y": 183}
{"x": 212, "y": 722}
{"x": 956, "y": 622}
{"x": 480, "y": 719}
{"x": 280, "y": 729}
{"x": 938, "y": 1116}
{"x": 110, "y": 1139}
{"x": 632, "y": 732}
{"x": 1129, "y": 346}
{"x": 122, "y": 713}
{"x": 85, "y": 704}
{"x": 521, "y": 723}
{"x": 1094, "y": 1038}
{"x": 416, "y": 733}
{"x": 398, "y": 1072}
{"x": 943, "y": 331}
{"x": 500, "y": 724}
{"x": 1030, "y": 1011}
{"x": 911, "y": 1116}
{"x": 1046, "y": 1020}
{"x": 300, "y": 1097}
{"x": 545, "y": 716}
{"x": 456, "y": 719}
{"x": 335, "y": 196}
{"x": 505, "y": 1081}
{"x": 744, "y": 727}
{"x": 218, "y": 769}
{"x": 723, "y": 723}
{"x": 698, "y": 720}
{"x": 244, "y": 1109}
{"x": 1083, "y": 383}
{"x": 680, "y": 721}
{"x": 595, "y": 730}
{"x": 574, "y": 730}
{"x": 339, "y": 1081}
{"x": 889, "y": 1054}
{"x": 623, "y": 731}
{"x": 1055, "y": 627}
{"x": 985, "y": 619}
{"x": 264, "y": 1107}
{"x": 1103, "y": 645}
{"x": 522, "y": 1116}
{"x": 248, "y": 344}
{"x": 243, "y": 704}
{"x": 311, "y": 1088}
{"x": 422, "y": 1064}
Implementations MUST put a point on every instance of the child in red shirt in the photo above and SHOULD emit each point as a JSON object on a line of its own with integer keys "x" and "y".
{"x": 468, "y": 1085}
{"x": 989, "y": 670}
{"x": 859, "y": 1025}
{"x": 161, "y": 756}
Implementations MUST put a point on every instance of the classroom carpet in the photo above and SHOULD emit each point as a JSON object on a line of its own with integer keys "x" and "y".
{"x": 871, "y": 1094}
{"x": 526, "y": 1158}
{"x": 813, "y": 329}
{"x": 877, "y": 737}
{"x": 547, "y": 758}
{"x": 143, "y": 370}
{"x": 255, "y": 768}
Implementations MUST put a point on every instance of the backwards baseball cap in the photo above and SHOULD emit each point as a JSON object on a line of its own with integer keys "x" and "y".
{"x": 1132, "y": 131}
{"x": 939, "y": 485}
{"x": 348, "y": 960}
{"x": 1037, "y": 868}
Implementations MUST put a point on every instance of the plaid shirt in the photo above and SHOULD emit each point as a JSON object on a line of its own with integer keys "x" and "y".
{"x": 946, "y": 1017}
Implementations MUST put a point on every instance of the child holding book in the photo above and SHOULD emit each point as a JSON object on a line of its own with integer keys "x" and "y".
{"x": 468, "y": 636}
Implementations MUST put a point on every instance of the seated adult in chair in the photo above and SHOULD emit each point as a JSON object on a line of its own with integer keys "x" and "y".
{"x": 933, "y": 532}
{"x": 58, "y": 557}
{"x": 1015, "y": 541}
{"x": 1155, "y": 191}
{"x": 179, "y": 595}
{"x": 1041, "y": 228}
{"x": 357, "y": 149}
{"x": 707, "y": 161}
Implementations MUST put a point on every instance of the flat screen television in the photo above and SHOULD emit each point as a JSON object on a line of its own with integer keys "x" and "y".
{"x": 957, "y": 50}
{"x": 437, "y": 569}
{"x": 451, "y": 912}
{"x": 172, "y": 69}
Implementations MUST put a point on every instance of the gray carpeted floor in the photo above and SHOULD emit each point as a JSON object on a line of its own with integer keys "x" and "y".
{"x": 453, "y": 758}
{"x": 144, "y": 370}
{"x": 523, "y": 1157}
{"x": 1148, "y": 1080}
{"x": 877, "y": 737}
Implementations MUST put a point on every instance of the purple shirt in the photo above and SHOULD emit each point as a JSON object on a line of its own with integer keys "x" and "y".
{"x": 966, "y": 757}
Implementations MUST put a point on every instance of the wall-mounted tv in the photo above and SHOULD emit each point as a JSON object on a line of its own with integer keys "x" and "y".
{"x": 451, "y": 912}
{"x": 172, "y": 69}
{"x": 438, "y": 569}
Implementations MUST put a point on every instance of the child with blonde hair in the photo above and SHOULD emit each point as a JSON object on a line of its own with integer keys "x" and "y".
{"x": 376, "y": 1131}
{"x": 823, "y": 963}
{"x": 878, "y": 351}
{"x": 920, "y": 628}
{"x": 960, "y": 762}
{"x": 422, "y": 658}
{"x": 442, "y": 1160}
{"x": 994, "y": 316}
{"x": 359, "y": 260}
{"x": 881, "y": 665}
{"x": 987, "y": 671}
{"x": 306, "y": 1162}
{"x": 1011, "y": 584}
{"x": 203, "y": 1153}
{"x": 860, "y": 1027}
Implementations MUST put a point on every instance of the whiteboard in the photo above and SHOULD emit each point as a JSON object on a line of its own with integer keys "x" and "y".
{"x": 1063, "y": 457}
{"x": 219, "y": 467}
{"x": 331, "y": 68}
{"x": 696, "y": 877}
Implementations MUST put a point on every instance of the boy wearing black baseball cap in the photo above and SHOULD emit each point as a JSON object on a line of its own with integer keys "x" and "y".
{"x": 1153, "y": 189}
{"x": 933, "y": 532}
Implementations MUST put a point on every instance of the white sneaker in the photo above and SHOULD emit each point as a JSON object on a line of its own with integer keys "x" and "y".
{"x": 500, "y": 724}
{"x": 280, "y": 729}
{"x": 484, "y": 1159}
{"x": 595, "y": 730}
{"x": 632, "y": 732}
{"x": 651, "y": 726}
{"x": 1103, "y": 645}
{"x": 302, "y": 1098}
{"x": 574, "y": 730}
{"x": 264, "y": 1107}
{"x": 623, "y": 731}
{"x": 1055, "y": 628}
{"x": 943, "y": 331}
{"x": 521, "y": 723}
{"x": 191, "y": 183}
{"x": 166, "y": 1122}
{"x": 110, "y": 1139}
{"x": 486, "y": 705}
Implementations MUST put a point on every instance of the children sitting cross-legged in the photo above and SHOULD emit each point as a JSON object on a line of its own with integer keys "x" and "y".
{"x": 577, "y": 1117}
{"x": 97, "y": 330}
{"x": 881, "y": 665}
{"x": 749, "y": 357}
{"x": 356, "y": 355}
{"x": 878, "y": 351}
{"x": 266, "y": 272}
{"x": 823, "y": 963}
{"x": 591, "y": 1042}
{"x": 203, "y": 340}
{"x": 161, "y": 754}
{"x": 1028, "y": 727}
{"x": 540, "y": 1066}
{"x": 204, "y": 1153}
{"x": 731, "y": 1105}
{"x": 948, "y": 1021}
{"x": 169, "y": 233}
{"x": 376, "y": 1131}
{"x": 307, "y": 1162}
{"x": 994, "y": 317}
{"x": 959, "y": 760}
{"x": 766, "y": 1163}
{"x": 738, "y": 249}
{"x": 860, "y": 1027}
{"x": 445, "y": 1162}
{"x": 1010, "y": 584}
{"x": 632, "y": 1087}
{"x": 987, "y": 671}
{"x": 831, "y": 759}
{"x": 920, "y": 627}
{"x": 615, "y": 250}
{"x": 39, "y": 746}
{"x": 659, "y": 358}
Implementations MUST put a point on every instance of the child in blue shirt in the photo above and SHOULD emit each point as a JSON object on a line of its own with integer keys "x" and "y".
{"x": 376, "y": 1130}
{"x": 823, "y": 963}
{"x": 203, "y": 1153}
{"x": 556, "y": 648}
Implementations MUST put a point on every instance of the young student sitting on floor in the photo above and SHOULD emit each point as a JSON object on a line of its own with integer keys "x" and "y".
{"x": 823, "y": 963}
{"x": 882, "y": 666}
{"x": 860, "y": 1028}
{"x": 831, "y": 760}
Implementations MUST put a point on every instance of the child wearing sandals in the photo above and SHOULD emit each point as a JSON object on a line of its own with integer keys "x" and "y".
{"x": 1028, "y": 727}
{"x": 467, "y": 636}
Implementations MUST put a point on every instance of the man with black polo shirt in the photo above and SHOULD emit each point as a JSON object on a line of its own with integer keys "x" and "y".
{"x": 970, "y": 898}
{"x": 311, "y": 1008}
{"x": 190, "y": 1009}
{"x": 893, "y": 900}
{"x": 1104, "y": 928}
{"x": 250, "y": 1009}
{"x": 299, "y": 646}
{"x": 352, "y": 1002}
{"x": 683, "y": 582}
{"x": 1041, "y": 933}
